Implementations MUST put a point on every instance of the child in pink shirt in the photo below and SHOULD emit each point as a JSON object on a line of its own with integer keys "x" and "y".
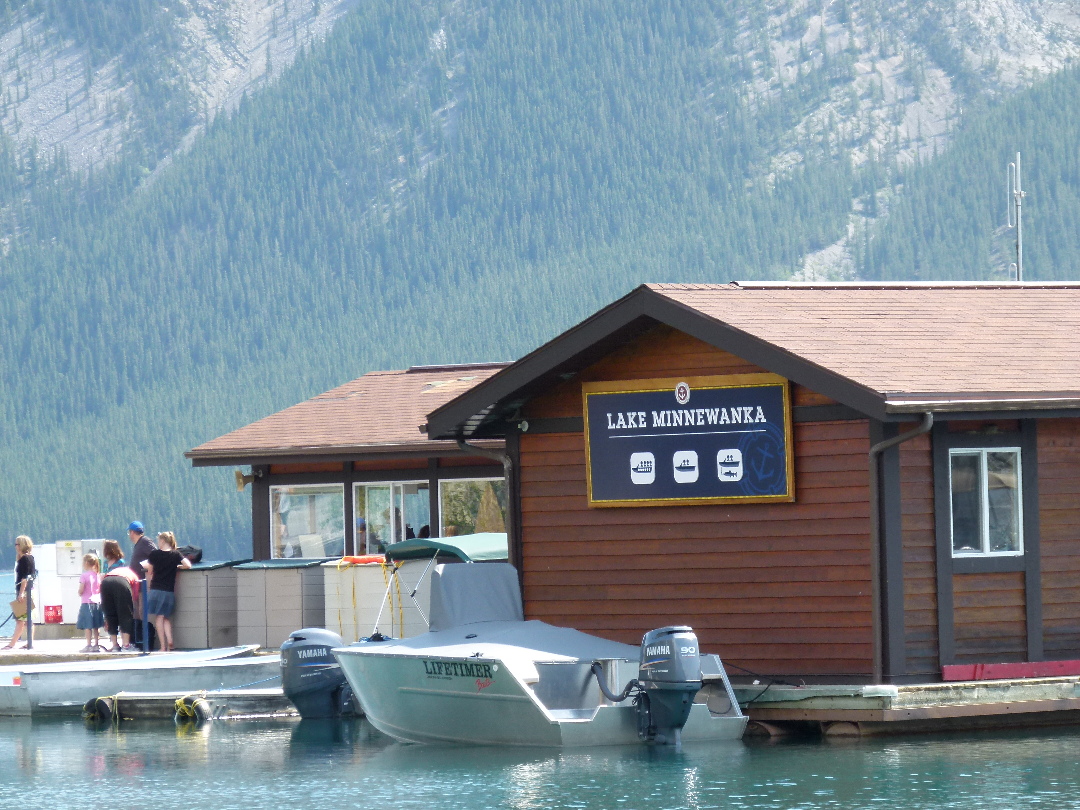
{"x": 90, "y": 616}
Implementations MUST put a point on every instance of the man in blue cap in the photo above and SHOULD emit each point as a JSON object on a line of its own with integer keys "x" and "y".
{"x": 141, "y": 547}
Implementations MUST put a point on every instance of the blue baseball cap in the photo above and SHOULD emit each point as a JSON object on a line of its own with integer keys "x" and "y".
{"x": 135, "y": 526}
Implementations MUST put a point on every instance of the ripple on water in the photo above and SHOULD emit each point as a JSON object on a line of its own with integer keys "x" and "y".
{"x": 337, "y": 765}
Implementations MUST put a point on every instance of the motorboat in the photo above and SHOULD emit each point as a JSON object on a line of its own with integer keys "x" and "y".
{"x": 63, "y": 688}
{"x": 483, "y": 675}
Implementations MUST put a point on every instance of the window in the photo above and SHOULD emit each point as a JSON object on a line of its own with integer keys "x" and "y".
{"x": 474, "y": 505}
{"x": 307, "y": 521}
{"x": 984, "y": 484}
{"x": 390, "y": 512}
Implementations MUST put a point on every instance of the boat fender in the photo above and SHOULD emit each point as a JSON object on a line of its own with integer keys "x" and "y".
{"x": 598, "y": 671}
{"x": 99, "y": 710}
{"x": 190, "y": 708}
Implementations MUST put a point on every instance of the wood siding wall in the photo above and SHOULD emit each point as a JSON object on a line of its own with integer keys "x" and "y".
{"x": 775, "y": 588}
{"x": 1059, "y": 519}
{"x": 920, "y": 566}
{"x": 989, "y": 618}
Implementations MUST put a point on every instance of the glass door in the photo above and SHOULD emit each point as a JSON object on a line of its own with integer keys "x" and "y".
{"x": 389, "y": 513}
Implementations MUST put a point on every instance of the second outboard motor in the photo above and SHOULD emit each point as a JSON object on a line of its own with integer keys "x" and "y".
{"x": 669, "y": 676}
{"x": 310, "y": 675}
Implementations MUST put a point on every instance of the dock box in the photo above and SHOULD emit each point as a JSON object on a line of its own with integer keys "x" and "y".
{"x": 355, "y": 593}
{"x": 275, "y": 597}
{"x": 205, "y": 614}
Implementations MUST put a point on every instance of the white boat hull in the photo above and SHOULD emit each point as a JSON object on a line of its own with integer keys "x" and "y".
{"x": 63, "y": 688}
{"x": 497, "y": 695}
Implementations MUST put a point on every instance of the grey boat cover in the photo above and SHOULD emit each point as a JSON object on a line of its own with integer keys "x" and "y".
{"x": 465, "y": 593}
{"x": 482, "y": 547}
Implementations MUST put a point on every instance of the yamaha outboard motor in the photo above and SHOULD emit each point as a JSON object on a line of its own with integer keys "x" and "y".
{"x": 310, "y": 675}
{"x": 669, "y": 677}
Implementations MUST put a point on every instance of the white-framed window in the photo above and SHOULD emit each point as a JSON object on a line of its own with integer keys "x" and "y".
{"x": 388, "y": 512}
{"x": 307, "y": 520}
{"x": 987, "y": 504}
{"x": 471, "y": 505}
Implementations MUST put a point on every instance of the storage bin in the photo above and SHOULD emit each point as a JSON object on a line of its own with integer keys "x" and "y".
{"x": 205, "y": 614}
{"x": 275, "y": 597}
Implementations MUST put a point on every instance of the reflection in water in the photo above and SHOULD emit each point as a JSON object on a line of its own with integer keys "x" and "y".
{"x": 244, "y": 764}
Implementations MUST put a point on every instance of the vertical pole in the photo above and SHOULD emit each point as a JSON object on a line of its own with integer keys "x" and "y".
{"x": 144, "y": 593}
{"x": 1019, "y": 193}
{"x": 30, "y": 612}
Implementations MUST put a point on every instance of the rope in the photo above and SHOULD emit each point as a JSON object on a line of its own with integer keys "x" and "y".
{"x": 186, "y": 709}
{"x": 355, "y": 613}
{"x": 400, "y": 607}
{"x": 390, "y": 597}
{"x": 253, "y": 683}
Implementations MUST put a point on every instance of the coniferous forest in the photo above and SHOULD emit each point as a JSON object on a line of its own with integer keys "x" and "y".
{"x": 433, "y": 183}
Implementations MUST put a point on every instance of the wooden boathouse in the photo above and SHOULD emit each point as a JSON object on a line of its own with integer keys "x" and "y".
{"x": 840, "y": 483}
{"x": 349, "y": 471}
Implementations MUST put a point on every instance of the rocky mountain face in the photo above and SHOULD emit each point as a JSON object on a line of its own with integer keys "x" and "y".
{"x": 895, "y": 77}
{"x": 903, "y": 74}
{"x": 61, "y": 91}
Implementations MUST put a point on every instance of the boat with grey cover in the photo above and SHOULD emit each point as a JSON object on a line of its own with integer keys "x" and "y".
{"x": 483, "y": 675}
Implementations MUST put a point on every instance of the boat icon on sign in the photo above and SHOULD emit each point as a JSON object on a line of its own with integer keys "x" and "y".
{"x": 729, "y": 466}
{"x": 686, "y": 466}
{"x": 642, "y": 468}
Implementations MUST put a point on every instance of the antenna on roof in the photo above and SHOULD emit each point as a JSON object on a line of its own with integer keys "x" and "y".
{"x": 1015, "y": 216}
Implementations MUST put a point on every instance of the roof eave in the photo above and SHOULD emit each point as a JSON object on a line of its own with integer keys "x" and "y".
{"x": 961, "y": 403}
{"x": 246, "y": 457}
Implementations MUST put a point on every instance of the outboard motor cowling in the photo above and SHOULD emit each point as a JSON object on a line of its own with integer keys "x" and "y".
{"x": 669, "y": 676}
{"x": 310, "y": 675}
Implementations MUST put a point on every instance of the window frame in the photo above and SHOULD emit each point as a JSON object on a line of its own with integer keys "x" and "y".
{"x": 326, "y": 490}
{"x": 985, "y": 552}
{"x": 357, "y": 485}
{"x": 483, "y": 479}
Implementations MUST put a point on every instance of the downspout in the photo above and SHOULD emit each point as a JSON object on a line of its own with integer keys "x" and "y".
{"x": 495, "y": 455}
{"x": 876, "y": 532}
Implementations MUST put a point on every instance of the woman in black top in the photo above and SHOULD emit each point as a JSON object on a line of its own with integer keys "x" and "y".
{"x": 161, "y": 567}
{"x": 24, "y": 569}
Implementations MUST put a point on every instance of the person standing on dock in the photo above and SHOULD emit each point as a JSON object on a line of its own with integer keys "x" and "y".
{"x": 90, "y": 618}
{"x": 141, "y": 549}
{"x": 116, "y": 602}
{"x": 25, "y": 572}
{"x": 163, "y": 564}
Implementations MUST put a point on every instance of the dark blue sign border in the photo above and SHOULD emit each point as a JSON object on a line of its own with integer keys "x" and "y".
{"x": 690, "y": 440}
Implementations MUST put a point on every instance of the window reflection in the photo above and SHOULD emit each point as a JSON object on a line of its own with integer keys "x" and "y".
{"x": 986, "y": 501}
{"x": 388, "y": 513}
{"x": 474, "y": 505}
{"x": 307, "y": 521}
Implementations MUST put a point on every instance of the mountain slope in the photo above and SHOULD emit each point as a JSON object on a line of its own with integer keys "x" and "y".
{"x": 434, "y": 182}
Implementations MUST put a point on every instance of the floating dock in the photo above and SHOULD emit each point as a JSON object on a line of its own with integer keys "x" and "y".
{"x": 777, "y": 710}
{"x": 219, "y": 704}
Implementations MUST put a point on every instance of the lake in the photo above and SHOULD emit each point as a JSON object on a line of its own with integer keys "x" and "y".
{"x": 248, "y": 764}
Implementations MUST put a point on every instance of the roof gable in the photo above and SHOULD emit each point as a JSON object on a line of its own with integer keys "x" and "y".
{"x": 882, "y": 349}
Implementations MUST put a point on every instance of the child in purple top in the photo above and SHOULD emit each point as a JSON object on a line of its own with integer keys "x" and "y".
{"x": 90, "y": 616}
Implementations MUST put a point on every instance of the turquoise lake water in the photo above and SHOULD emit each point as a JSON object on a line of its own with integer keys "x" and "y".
{"x": 240, "y": 764}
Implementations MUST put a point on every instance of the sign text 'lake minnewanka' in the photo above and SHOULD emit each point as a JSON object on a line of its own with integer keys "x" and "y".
{"x": 693, "y": 440}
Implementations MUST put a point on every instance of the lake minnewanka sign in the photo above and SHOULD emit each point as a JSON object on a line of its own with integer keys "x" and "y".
{"x": 691, "y": 440}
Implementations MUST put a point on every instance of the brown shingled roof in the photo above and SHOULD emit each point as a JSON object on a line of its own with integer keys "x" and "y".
{"x": 914, "y": 344}
{"x": 882, "y": 349}
{"x": 380, "y": 412}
